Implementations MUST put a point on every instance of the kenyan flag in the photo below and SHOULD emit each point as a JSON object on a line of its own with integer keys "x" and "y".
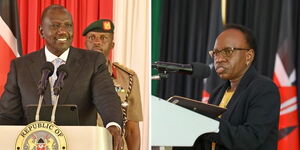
{"x": 285, "y": 79}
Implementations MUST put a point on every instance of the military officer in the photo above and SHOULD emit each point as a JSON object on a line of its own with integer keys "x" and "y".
{"x": 99, "y": 37}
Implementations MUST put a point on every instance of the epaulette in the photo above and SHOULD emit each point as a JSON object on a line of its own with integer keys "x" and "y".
{"x": 124, "y": 68}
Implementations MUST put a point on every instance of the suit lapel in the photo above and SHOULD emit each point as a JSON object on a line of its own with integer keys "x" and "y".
{"x": 74, "y": 64}
{"x": 237, "y": 95}
{"x": 220, "y": 92}
{"x": 35, "y": 66}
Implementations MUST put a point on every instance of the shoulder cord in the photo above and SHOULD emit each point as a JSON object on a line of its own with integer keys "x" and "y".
{"x": 125, "y": 103}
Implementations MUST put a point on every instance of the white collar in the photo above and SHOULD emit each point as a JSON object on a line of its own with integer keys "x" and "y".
{"x": 50, "y": 57}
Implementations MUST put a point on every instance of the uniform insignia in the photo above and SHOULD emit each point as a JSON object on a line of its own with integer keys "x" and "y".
{"x": 106, "y": 25}
{"x": 41, "y": 135}
{"x": 119, "y": 89}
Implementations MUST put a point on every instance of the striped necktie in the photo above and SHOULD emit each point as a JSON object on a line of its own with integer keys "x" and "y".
{"x": 56, "y": 62}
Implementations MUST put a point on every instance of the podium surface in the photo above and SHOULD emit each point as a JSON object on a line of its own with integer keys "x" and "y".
{"x": 78, "y": 137}
{"x": 173, "y": 125}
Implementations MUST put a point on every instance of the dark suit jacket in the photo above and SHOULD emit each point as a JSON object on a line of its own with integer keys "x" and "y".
{"x": 88, "y": 85}
{"x": 251, "y": 119}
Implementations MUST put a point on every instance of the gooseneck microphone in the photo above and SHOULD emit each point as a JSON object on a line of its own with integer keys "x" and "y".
{"x": 196, "y": 69}
{"x": 62, "y": 74}
{"x": 47, "y": 71}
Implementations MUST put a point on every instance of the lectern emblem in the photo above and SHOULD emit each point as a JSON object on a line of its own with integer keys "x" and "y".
{"x": 41, "y": 135}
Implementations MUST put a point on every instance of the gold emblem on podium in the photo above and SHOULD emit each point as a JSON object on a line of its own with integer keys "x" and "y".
{"x": 41, "y": 135}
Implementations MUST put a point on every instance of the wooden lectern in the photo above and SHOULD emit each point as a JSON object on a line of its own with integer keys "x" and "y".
{"x": 173, "y": 125}
{"x": 78, "y": 137}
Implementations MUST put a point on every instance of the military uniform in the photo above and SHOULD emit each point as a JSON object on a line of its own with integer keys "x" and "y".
{"x": 125, "y": 80}
{"x": 127, "y": 86}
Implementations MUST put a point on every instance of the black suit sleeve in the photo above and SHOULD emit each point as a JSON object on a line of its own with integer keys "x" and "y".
{"x": 11, "y": 111}
{"x": 105, "y": 98}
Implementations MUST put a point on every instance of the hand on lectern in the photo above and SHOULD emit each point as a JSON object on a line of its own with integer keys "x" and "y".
{"x": 117, "y": 138}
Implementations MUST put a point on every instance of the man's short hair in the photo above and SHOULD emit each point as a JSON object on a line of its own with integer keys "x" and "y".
{"x": 52, "y": 7}
{"x": 247, "y": 33}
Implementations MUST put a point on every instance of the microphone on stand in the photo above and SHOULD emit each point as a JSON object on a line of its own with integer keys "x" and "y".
{"x": 196, "y": 70}
{"x": 62, "y": 74}
{"x": 47, "y": 71}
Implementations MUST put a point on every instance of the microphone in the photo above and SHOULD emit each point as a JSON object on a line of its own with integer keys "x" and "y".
{"x": 58, "y": 85}
{"x": 47, "y": 71}
{"x": 196, "y": 70}
{"x": 61, "y": 75}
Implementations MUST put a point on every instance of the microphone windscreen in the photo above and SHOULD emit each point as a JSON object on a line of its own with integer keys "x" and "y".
{"x": 200, "y": 70}
{"x": 62, "y": 69}
{"x": 48, "y": 66}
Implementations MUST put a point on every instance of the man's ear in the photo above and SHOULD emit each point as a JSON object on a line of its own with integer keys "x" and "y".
{"x": 41, "y": 31}
{"x": 112, "y": 45}
{"x": 250, "y": 56}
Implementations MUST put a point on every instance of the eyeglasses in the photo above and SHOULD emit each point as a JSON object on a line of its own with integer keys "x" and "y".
{"x": 226, "y": 52}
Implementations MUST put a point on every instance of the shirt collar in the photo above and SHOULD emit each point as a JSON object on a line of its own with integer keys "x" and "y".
{"x": 50, "y": 57}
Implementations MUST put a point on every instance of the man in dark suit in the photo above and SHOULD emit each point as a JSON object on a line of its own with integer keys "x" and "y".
{"x": 88, "y": 84}
{"x": 252, "y": 101}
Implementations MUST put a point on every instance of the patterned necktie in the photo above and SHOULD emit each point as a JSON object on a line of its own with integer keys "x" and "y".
{"x": 56, "y": 62}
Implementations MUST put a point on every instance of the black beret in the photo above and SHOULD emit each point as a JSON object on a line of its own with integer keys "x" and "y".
{"x": 103, "y": 25}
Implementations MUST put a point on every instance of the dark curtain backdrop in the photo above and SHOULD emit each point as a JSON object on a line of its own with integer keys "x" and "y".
{"x": 263, "y": 17}
{"x": 184, "y": 38}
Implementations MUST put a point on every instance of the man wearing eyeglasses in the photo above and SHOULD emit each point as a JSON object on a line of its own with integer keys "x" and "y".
{"x": 252, "y": 101}
{"x": 99, "y": 37}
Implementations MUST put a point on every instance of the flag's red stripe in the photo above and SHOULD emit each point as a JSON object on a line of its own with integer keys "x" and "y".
{"x": 288, "y": 120}
{"x": 290, "y": 142}
{"x": 6, "y": 56}
{"x": 287, "y": 93}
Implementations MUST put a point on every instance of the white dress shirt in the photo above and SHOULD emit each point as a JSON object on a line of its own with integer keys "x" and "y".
{"x": 50, "y": 58}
